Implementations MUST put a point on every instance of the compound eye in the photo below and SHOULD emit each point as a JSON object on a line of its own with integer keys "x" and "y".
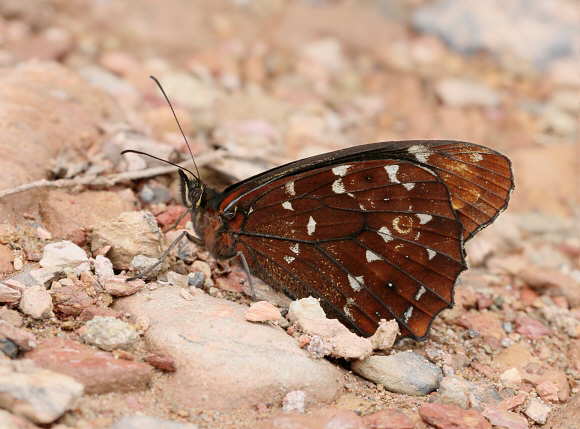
{"x": 195, "y": 195}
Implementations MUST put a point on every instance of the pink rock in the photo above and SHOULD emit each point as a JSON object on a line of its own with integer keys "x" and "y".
{"x": 538, "y": 373}
{"x": 97, "y": 370}
{"x": 513, "y": 402}
{"x": 262, "y": 311}
{"x": 553, "y": 282}
{"x": 445, "y": 416}
{"x": 337, "y": 338}
{"x": 36, "y": 302}
{"x": 504, "y": 418}
{"x": 531, "y": 328}
{"x": 119, "y": 62}
{"x": 548, "y": 391}
{"x": 23, "y": 339}
{"x": 92, "y": 310}
{"x": 170, "y": 216}
{"x": 9, "y": 295}
{"x": 118, "y": 286}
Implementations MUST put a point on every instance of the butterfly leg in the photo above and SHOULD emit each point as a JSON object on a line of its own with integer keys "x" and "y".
{"x": 190, "y": 237}
{"x": 181, "y": 216}
{"x": 247, "y": 270}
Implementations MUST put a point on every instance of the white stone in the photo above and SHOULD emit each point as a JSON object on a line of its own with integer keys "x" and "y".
{"x": 537, "y": 411}
{"x": 305, "y": 307}
{"x": 36, "y": 302}
{"x": 63, "y": 254}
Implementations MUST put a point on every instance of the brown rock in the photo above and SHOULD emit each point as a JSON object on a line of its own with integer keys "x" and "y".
{"x": 567, "y": 416}
{"x": 388, "y": 419}
{"x": 9, "y": 233}
{"x": 231, "y": 282}
{"x": 97, "y": 370}
{"x": 327, "y": 418}
{"x": 532, "y": 369}
{"x": 70, "y": 300}
{"x": 539, "y": 373}
{"x": 545, "y": 192}
{"x": 13, "y": 317}
{"x": 36, "y": 125}
{"x": 6, "y": 259}
{"x": 129, "y": 235}
{"x": 487, "y": 324}
{"x": 514, "y": 357}
{"x": 64, "y": 214}
{"x": 162, "y": 362}
{"x": 445, "y": 416}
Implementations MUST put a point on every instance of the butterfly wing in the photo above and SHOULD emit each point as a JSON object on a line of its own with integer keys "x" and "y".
{"x": 376, "y": 231}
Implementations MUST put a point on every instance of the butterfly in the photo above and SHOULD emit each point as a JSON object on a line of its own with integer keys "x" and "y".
{"x": 374, "y": 231}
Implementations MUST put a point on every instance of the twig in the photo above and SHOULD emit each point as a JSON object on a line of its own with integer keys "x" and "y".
{"x": 111, "y": 179}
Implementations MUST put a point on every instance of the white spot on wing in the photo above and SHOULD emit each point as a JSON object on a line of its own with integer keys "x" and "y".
{"x": 356, "y": 283}
{"x": 289, "y": 188}
{"x": 295, "y": 249}
{"x": 476, "y": 157}
{"x": 289, "y": 259}
{"x": 346, "y": 308}
{"x": 409, "y": 186}
{"x": 311, "y": 226}
{"x": 392, "y": 172}
{"x": 372, "y": 256}
{"x": 420, "y": 152}
{"x": 431, "y": 253}
{"x": 287, "y": 205}
{"x": 385, "y": 234}
{"x": 407, "y": 315}
{"x": 424, "y": 218}
{"x": 338, "y": 187}
{"x": 420, "y": 293}
{"x": 341, "y": 170}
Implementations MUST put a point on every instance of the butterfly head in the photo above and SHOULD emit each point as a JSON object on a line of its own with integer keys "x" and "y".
{"x": 192, "y": 191}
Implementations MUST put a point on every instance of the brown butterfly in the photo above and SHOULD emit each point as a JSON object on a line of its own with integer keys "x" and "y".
{"x": 374, "y": 231}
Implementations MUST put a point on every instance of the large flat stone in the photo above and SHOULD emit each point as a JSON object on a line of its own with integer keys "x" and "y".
{"x": 224, "y": 361}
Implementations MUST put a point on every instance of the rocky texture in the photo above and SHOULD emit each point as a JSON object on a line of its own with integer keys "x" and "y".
{"x": 239, "y": 363}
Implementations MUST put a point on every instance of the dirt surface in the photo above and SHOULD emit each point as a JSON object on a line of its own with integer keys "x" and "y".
{"x": 257, "y": 84}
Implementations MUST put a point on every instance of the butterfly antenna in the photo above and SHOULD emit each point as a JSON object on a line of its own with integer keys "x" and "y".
{"x": 158, "y": 159}
{"x": 179, "y": 125}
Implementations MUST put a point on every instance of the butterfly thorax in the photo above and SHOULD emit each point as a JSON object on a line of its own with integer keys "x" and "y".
{"x": 209, "y": 223}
